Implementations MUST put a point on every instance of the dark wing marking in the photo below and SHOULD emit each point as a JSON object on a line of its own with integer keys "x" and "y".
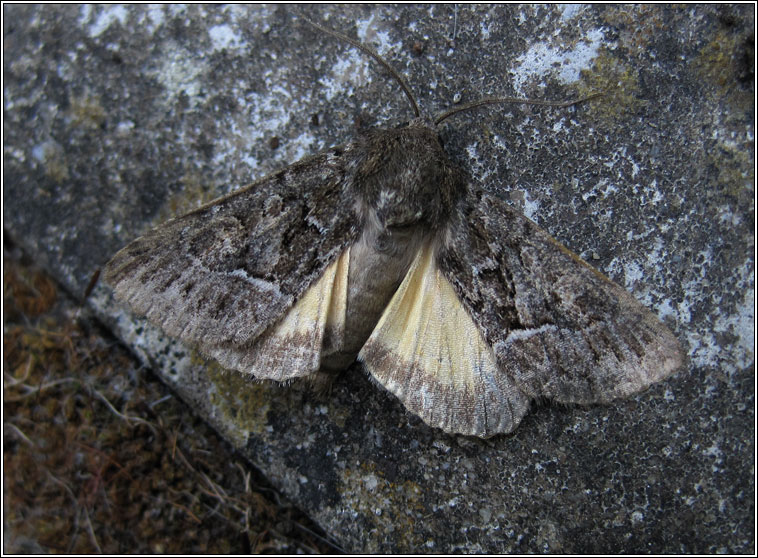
{"x": 558, "y": 328}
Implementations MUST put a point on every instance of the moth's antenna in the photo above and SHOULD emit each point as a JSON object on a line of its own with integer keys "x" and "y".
{"x": 503, "y": 100}
{"x": 373, "y": 54}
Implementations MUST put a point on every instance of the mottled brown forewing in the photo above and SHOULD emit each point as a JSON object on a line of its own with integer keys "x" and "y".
{"x": 222, "y": 274}
{"x": 558, "y": 327}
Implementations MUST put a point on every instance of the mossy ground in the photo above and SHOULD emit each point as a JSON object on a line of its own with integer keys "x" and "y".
{"x": 99, "y": 456}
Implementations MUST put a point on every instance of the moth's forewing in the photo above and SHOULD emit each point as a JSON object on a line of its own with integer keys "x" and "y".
{"x": 558, "y": 328}
{"x": 223, "y": 274}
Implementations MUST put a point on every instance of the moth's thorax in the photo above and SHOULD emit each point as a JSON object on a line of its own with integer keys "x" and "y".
{"x": 405, "y": 178}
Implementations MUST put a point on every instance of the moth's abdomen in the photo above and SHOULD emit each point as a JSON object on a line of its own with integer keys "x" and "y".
{"x": 378, "y": 263}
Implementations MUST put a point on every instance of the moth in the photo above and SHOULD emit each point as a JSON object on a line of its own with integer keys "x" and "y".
{"x": 383, "y": 251}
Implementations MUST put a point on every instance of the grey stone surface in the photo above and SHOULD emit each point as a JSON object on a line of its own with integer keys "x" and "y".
{"x": 118, "y": 117}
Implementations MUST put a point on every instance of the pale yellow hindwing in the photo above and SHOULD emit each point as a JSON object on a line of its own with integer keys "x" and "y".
{"x": 427, "y": 351}
{"x": 293, "y": 346}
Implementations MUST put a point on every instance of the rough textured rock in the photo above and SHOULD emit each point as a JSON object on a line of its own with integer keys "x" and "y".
{"x": 117, "y": 117}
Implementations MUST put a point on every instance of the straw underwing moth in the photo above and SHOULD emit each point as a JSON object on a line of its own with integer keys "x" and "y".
{"x": 383, "y": 251}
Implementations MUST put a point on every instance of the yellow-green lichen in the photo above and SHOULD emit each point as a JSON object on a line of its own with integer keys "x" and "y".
{"x": 339, "y": 415}
{"x": 54, "y": 160}
{"x": 241, "y": 401}
{"x": 618, "y": 83}
{"x": 194, "y": 194}
{"x": 638, "y": 24}
{"x": 736, "y": 170}
{"x": 380, "y": 500}
{"x": 718, "y": 64}
{"x": 86, "y": 111}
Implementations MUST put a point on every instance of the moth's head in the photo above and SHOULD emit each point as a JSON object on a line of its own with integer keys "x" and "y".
{"x": 405, "y": 176}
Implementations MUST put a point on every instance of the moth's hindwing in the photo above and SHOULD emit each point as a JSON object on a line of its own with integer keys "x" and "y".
{"x": 223, "y": 274}
{"x": 429, "y": 353}
{"x": 558, "y": 328}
